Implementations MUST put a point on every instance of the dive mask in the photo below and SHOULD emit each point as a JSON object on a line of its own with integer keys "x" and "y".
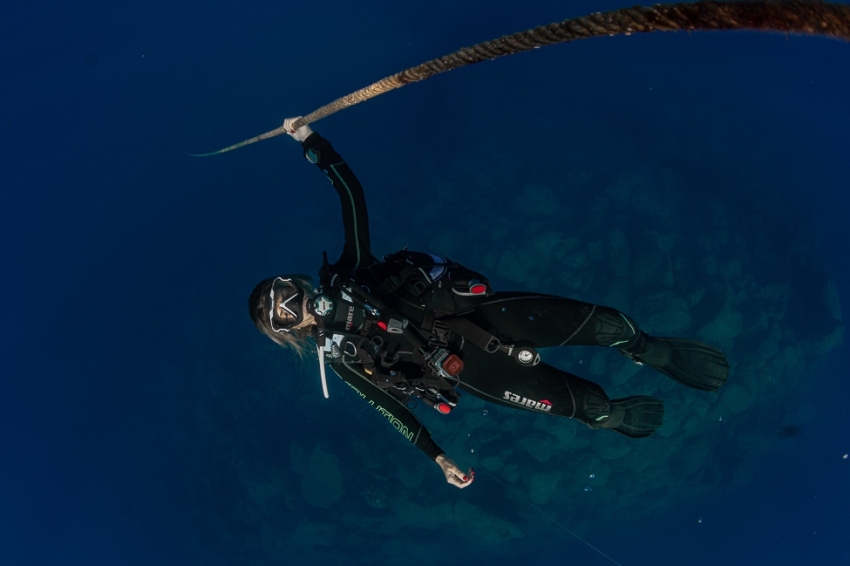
{"x": 285, "y": 299}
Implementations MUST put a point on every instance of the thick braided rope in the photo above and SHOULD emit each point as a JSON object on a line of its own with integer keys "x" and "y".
{"x": 799, "y": 16}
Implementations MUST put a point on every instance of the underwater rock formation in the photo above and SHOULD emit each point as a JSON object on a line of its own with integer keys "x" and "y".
{"x": 321, "y": 483}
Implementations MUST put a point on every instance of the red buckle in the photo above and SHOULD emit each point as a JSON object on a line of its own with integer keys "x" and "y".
{"x": 476, "y": 287}
{"x": 452, "y": 365}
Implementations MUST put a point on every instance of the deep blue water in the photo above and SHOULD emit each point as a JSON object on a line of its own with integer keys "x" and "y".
{"x": 139, "y": 405}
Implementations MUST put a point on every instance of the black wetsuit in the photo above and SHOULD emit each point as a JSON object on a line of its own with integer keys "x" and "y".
{"x": 529, "y": 319}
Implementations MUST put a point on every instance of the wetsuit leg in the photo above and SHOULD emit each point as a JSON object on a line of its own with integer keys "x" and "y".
{"x": 542, "y": 321}
{"x": 541, "y": 388}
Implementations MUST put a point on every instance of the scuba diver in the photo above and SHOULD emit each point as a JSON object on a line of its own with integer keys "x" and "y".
{"x": 417, "y": 327}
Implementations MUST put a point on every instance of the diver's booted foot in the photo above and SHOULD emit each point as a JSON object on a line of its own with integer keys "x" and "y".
{"x": 635, "y": 417}
{"x": 689, "y": 362}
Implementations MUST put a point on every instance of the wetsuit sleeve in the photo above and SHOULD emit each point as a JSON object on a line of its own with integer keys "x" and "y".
{"x": 357, "y": 251}
{"x": 402, "y": 419}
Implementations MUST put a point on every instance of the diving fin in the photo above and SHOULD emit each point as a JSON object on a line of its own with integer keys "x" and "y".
{"x": 635, "y": 417}
{"x": 689, "y": 362}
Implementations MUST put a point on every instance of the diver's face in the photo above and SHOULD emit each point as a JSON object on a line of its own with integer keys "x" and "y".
{"x": 287, "y": 305}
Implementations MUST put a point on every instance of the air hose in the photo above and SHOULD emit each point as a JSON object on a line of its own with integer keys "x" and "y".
{"x": 797, "y": 16}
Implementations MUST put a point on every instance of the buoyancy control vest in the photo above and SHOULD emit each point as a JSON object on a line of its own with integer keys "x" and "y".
{"x": 444, "y": 290}
{"x": 437, "y": 284}
{"x": 401, "y": 331}
{"x": 390, "y": 329}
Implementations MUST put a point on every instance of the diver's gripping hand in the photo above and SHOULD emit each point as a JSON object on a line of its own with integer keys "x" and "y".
{"x": 301, "y": 133}
{"x": 453, "y": 474}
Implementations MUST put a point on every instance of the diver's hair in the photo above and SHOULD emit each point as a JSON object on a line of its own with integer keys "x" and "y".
{"x": 258, "y": 308}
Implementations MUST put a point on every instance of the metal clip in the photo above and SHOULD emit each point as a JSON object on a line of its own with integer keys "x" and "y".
{"x": 395, "y": 326}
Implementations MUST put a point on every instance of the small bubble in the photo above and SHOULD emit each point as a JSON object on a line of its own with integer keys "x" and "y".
{"x": 592, "y": 476}
{"x": 472, "y": 450}
{"x": 699, "y": 520}
{"x": 844, "y": 457}
{"x": 720, "y": 419}
{"x": 580, "y": 362}
{"x": 504, "y": 309}
{"x": 484, "y": 412}
{"x": 531, "y": 317}
{"x": 588, "y": 488}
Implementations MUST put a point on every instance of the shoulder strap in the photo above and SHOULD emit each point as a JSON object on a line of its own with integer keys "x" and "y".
{"x": 472, "y": 332}
{"x": 524, "y": 355}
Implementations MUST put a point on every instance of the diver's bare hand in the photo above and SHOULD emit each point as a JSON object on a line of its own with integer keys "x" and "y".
{"x": 453, "y": 474}
{"x": 301, "y": 133}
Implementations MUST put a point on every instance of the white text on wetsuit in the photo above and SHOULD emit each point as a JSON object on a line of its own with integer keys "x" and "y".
{"x": 543, "y": 405}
